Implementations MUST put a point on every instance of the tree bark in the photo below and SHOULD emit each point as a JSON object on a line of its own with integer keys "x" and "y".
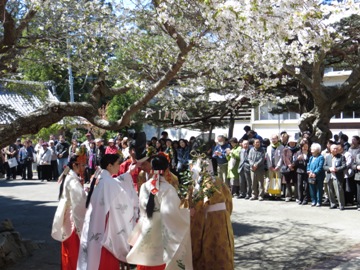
{"x": 317, "y": 122}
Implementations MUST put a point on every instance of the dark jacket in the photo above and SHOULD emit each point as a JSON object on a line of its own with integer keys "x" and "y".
{"x": 301, "y": 162}
{"x": 62, "y": 148}
{"x": 357, "y": 163}
{"x": 244, "y": 160}
{"x": 99, "y": 152}
{"x": 340, "y": 165}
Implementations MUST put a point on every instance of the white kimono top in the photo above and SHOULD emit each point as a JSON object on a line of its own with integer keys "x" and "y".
{"x": 108, "y": 223}
{"x": 71, "y": 210}
{"x": 165, "y": 238}
{"x": 126, "y": 182}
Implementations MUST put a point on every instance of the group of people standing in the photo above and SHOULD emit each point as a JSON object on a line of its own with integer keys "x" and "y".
{"x": 304, "y": 172}
{"x": 132, "y": 215}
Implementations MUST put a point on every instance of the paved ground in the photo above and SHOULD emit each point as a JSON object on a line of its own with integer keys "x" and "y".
{"x": 268, "y": 234}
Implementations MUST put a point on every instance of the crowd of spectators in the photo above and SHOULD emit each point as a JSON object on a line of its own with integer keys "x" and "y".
{"x": 307, "y": 173}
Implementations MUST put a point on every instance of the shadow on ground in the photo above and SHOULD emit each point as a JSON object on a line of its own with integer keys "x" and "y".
{"x": 284, "y": 245}
{"x": 33, "y": 220}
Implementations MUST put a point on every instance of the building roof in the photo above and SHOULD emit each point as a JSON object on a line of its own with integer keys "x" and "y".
{"x": 332, "y": 73}
{"x": 13, "y": 105}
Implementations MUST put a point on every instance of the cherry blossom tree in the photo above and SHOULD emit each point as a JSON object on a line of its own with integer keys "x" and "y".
{"x": 156, "y": 45}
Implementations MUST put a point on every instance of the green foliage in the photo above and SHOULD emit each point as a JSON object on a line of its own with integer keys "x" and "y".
{"x": 46, "y": 132}
{"x": 119, "y": 104}
{"x": 200, "y": 188}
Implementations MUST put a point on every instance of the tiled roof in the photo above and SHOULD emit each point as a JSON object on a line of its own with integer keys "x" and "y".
{"x": 13, "y": 104}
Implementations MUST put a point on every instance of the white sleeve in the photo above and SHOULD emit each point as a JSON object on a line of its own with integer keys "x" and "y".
{"x": 78, "y": 201}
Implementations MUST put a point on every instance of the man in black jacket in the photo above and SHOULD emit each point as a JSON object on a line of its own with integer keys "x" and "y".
{"x": 62, "y": 151}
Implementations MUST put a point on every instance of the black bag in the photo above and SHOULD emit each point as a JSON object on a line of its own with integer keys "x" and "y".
{"x": 312, "y": 180}
{"x": 285, "y": 170}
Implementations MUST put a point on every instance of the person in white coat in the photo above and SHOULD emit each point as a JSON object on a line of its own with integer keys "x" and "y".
{"x": 161, "y": 238}
{"x": 108, "y": 222}
{"x": 45, "y": 162}
{"x": 70, "y": 213}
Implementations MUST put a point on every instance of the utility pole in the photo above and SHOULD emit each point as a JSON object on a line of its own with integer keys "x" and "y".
{"x": 71, "y": 78}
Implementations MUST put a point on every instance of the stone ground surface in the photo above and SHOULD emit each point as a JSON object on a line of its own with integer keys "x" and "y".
{"x": 268, "y": 234}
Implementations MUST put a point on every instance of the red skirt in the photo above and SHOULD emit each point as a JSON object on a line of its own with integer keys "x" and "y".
{"x": 108, "y": 261}
{"x": 158, "y": 267}
{"x": 70, "y": 252}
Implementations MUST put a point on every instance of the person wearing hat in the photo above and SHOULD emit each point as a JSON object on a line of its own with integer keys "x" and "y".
{"x": 70, "y": 213}
{"x": 111, "y": 148}
{"x": 45, "y": 162}
{"x": 89, "y": 138}
{"x": 99, "y": 150}
{"x": 153, "y": 247}
{"x": 212, "y": 236}
{"x": 288, "y": 169}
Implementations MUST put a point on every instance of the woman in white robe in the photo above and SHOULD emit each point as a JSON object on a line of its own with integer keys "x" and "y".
{"x": 161, "y": 239}
{"x": 108, "y": 221}
{"x": 70, "y": 214}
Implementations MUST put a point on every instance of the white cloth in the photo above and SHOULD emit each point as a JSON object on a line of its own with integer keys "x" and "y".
{"x": 45, "y": 157}
{"x": 110, "y": 200}
{"x": 126, "y": 182}
{"x": 168, "y": 231}
{"x": 38, "y": 150}
{"x": 349, "y": 172}
{"x": 125, "y": 152}
{"x": 71, "y": 210}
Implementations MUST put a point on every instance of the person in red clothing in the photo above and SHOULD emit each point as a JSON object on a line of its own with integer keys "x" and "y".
{"x": 124, "y": 167}
{"x": 111, "y": 148}
{"x": 70, "y": 214}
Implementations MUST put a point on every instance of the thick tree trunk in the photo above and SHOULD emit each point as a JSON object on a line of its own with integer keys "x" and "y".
{"x": 317, "y": 122}
{"x": 231, "y": 126}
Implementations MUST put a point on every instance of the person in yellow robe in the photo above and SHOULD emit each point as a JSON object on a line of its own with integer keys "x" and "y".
{"x": 212, "y": 236}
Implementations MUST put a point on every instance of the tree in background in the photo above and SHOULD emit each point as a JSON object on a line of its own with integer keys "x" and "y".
{"x": 166, "y": 44}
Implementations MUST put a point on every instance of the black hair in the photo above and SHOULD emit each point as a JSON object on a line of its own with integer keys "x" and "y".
{"x": 185, "y": 141}
{"x": 344, "y": 137}
{"x": 266, "y": 142}
{"x": 104, "y": 162}
{"x": 157, "y": 163}
{"x": 233, "y": 140}
{"x": 70, "y": 164}
{"x": 108, "y": 159}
